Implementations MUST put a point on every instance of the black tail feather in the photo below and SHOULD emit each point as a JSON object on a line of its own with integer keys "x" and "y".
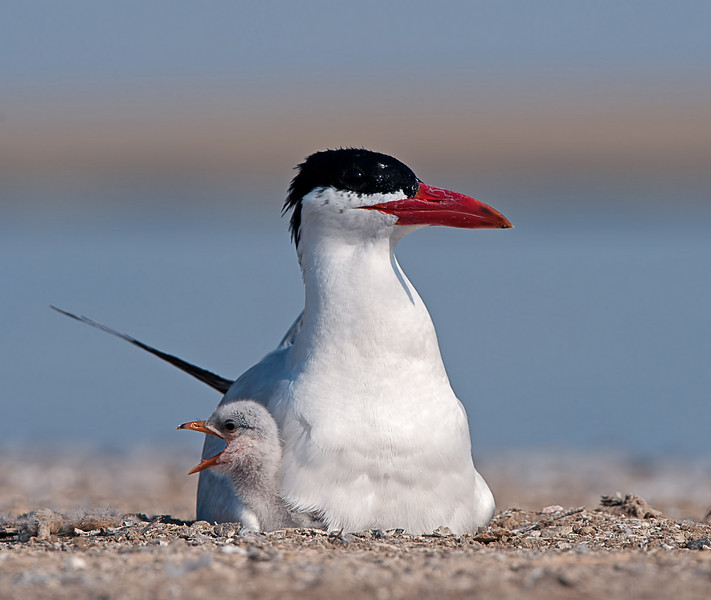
{"x": 214, "y": 381}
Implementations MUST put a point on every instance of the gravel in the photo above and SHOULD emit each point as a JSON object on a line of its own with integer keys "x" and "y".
{"x": 60, "y": 539}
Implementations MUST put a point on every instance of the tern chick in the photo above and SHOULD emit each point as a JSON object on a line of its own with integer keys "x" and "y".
{"x": 251, "y": 460}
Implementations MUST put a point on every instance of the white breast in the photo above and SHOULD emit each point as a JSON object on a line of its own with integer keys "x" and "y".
{"x": 373, "y": 434}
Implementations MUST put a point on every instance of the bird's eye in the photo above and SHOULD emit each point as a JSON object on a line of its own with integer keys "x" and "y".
{"x": 230, "y": 426}
{"x": 353, "y": 178}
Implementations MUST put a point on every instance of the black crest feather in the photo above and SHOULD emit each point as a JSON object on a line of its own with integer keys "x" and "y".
{"x": 353, "y": 169}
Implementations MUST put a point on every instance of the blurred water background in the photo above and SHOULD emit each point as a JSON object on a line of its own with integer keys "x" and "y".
{"x": 145, "y": 151}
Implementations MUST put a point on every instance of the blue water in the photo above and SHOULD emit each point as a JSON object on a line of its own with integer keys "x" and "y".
{"x": 586, "y": 327}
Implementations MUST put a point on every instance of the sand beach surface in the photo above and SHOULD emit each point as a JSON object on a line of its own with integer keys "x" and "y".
{"x": 92, "y": 525}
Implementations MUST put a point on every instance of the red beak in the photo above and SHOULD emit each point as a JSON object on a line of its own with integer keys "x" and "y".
{"x": 436, "y": 206}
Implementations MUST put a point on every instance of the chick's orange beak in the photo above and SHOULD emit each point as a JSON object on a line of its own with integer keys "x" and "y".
{"x": 200, "y": 427}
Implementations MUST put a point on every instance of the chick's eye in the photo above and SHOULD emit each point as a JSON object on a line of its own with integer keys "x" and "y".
{"x": 353, "y": 178}
{"x": 230, "y": 426}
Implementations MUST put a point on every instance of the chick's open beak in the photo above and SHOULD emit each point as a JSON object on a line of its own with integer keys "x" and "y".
{"x": 200, "y": 427}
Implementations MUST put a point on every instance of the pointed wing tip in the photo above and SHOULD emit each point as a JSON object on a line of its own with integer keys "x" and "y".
{"x": 216, "y": 382}
{"x": 64, "y": 312}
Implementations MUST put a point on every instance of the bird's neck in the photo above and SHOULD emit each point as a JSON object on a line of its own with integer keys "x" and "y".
{"x": 360, "y": 305}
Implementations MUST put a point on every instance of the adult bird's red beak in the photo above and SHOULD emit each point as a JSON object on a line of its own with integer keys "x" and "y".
{"x": 436, "y": 206}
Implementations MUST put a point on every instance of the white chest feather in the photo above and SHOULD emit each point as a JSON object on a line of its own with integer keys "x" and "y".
{"x": 373, "y": 434}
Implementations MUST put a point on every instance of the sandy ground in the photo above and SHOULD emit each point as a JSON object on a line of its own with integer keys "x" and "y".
{"x": 95, "y": 530}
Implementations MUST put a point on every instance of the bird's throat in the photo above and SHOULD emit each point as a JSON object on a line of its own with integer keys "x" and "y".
{"x": 361, "y": 308}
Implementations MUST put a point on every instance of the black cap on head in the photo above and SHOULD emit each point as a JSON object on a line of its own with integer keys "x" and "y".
{"x": 355, "y": 170}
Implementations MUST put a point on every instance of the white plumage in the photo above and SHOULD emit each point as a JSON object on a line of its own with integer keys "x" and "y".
{"x": 373, "y": 435}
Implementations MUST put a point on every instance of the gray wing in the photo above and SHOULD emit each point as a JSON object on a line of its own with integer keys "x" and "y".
{"x": 288, "y": 339}
{"x": 216, "y": 500}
